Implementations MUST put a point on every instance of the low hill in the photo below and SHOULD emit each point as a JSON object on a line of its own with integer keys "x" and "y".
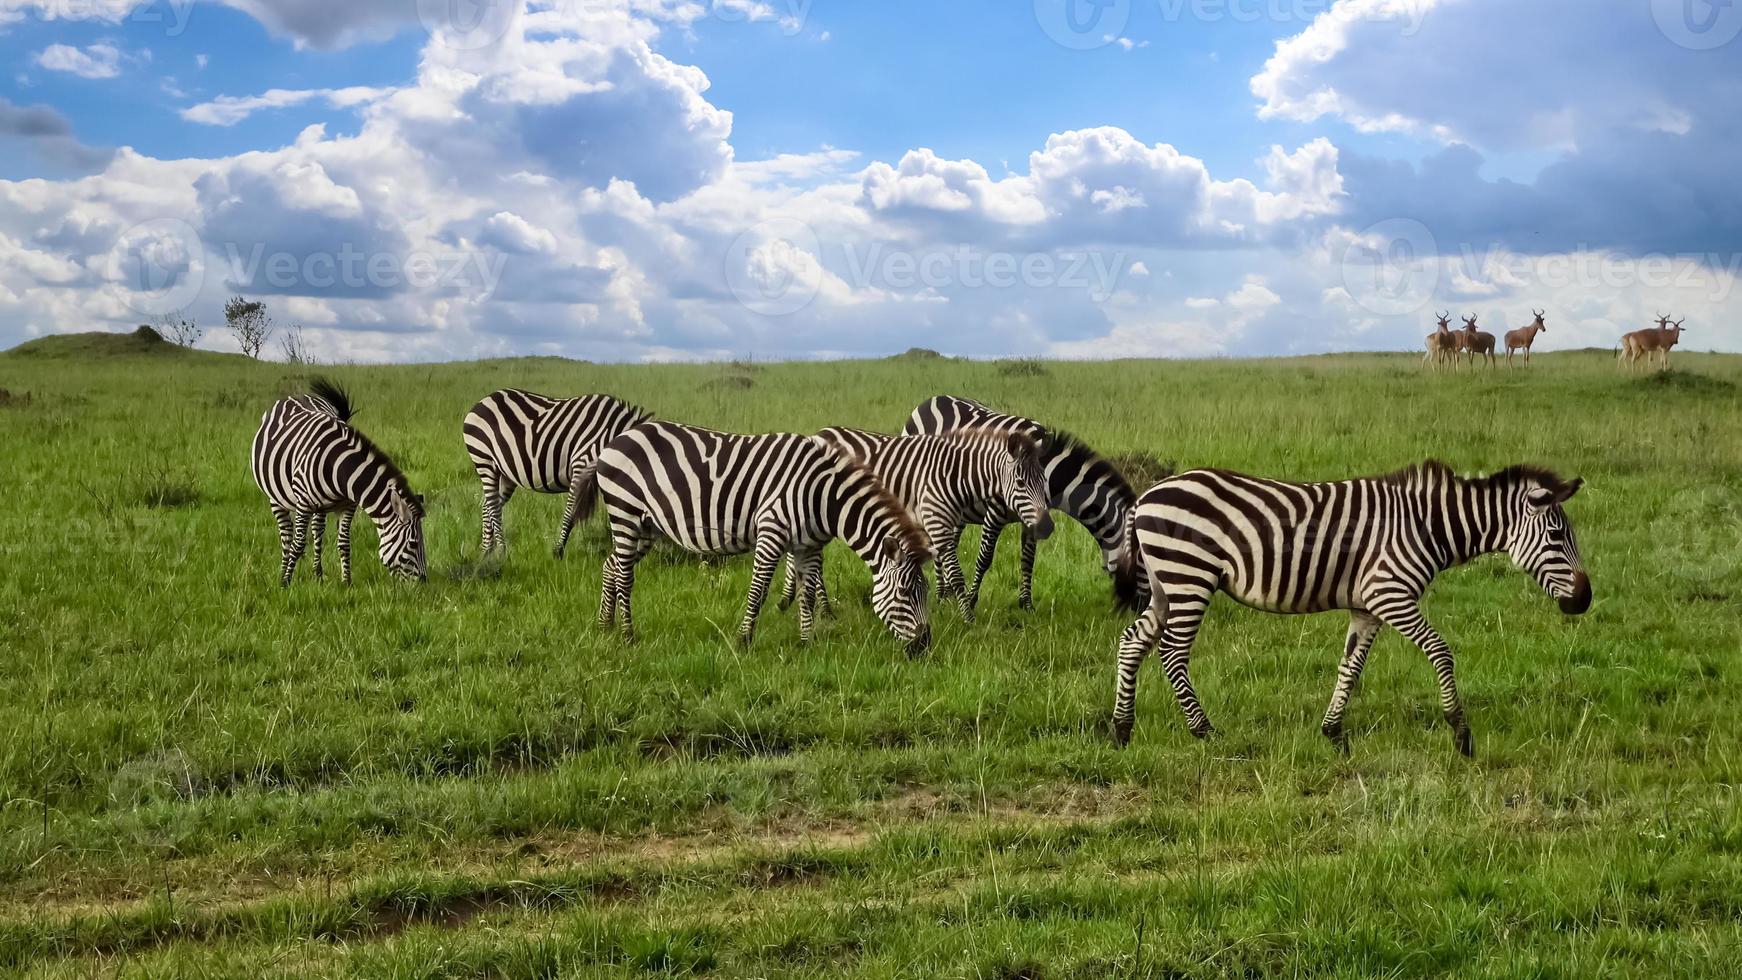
{"x": 98, "y": 343}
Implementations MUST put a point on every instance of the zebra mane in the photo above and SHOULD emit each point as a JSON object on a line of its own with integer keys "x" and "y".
{"x": 912, "y": 537}
{"x": 329, "y": 391}
{"x": 1518, "y": 474}
{"x": 1066, "y": 444}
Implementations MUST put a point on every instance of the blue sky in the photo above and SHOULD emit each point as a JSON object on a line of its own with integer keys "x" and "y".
{"x": 651, "y": 179}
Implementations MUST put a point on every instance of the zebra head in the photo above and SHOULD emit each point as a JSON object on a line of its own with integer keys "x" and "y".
{"x": 1024, "y": 483}
{"x": 898, "y": 592}
{"x": 1542, "y": 543}
{"x": 401, "y": 535}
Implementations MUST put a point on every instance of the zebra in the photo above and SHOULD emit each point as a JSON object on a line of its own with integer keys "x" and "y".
{"x": 967, "y": 476}
{"x": 521, "y": 439}
{"x": 310, "y": 462}
{"x": 1079, "y": 481}
{"x": 1370, "y": 546}
{"x": 720, "y": 493}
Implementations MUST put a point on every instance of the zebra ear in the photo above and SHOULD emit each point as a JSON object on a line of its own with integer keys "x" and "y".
{"x": 1019, "y": 445}
{"x": 1567, "y": 489}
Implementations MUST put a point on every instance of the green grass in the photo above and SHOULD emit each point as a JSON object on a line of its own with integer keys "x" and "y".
{"x": 204, "y": 774}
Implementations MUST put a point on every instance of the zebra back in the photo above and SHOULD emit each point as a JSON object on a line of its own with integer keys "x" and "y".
{"x": 536, "y": 441}
{"x": 857, "y": 444}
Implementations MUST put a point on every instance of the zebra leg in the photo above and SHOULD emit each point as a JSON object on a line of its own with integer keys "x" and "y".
{"x": 1401, "y": 613}
{"x": 1184, "y": 615}
{"x": 1134, "y": 644}
{"x": 950, "y": 567}
{"x": 824, "y": 604}
{"x": 1025, "y": 597}
{"x": 298, "y": 543}
{"x": 319, "y": 523}
{"x": 489, "y": 479}
{"x": 1363, "y": 627}
{"x": 789, "y": 584}
{"x": 344, "y": 542}
{"x": 989, "y": 534}
{"x": 608, "y": 592}
{"x": 811, "y": 565}
{"x": 286, "y": 544}
{"x": 767, "y": 559}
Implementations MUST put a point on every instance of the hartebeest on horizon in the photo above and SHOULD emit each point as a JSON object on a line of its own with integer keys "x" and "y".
{"x": 1524, "y": 336}
{"x": 1477, "y": 342}
{"x": 1651, "y": 340}
{"x": 1442, "y": 344}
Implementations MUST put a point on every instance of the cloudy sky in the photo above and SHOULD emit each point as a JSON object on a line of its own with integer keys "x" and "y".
{"x": 661, "y": 179}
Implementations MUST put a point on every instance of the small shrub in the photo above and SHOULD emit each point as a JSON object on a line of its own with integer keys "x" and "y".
{"x": 918, "y": 354}
{"x": 1024, "y": 367}
{"x": 10, "y": 400}
{"x": 161, "y": 489}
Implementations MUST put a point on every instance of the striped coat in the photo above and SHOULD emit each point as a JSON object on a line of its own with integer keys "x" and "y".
{"x": 967, "y": 476}
{"x": 1370, "y": 546}
{"x": 520, "y": 439}
{"x": 1080, "y": 482}
{"x": 310, "y": 462}
{"x": 720, "y": 493}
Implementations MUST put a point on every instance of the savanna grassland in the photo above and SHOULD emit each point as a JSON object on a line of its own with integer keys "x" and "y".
{"x": 202, "y": 773}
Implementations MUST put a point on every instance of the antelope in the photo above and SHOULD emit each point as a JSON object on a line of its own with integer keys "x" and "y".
{"x": 1523, "y": 337}
{"x": 1650, "y": 341}
{"x": 1442, "y": 344}
{"x": 1477, "y": 342}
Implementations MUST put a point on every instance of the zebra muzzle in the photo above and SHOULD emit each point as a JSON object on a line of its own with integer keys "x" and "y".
{"x": 920, "y": 643}
{"x": 1043, "y": 528}
{"x": 1580, "y": 600}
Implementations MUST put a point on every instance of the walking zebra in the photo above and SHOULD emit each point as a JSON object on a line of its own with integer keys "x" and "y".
{"x": 1370, "y": 546}
{"x": 968, "y": 476}
{"x": 521, "y": 439}
{"x": 310, "y": 462}
{"x": 719, "y": 493}
{"x": 1079, "y": 481}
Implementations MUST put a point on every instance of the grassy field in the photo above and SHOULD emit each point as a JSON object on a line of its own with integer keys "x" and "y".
{"x": 204, "y": 774}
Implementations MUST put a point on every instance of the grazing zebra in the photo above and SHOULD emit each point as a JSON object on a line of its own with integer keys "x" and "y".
{"x": 967, "y": 476}
{"x": 1370, "y": 546}
{"x": 309, "y": 461}
{"x": 520, "y": 439}
{"x": 1079, "y": 481}
{"x": 719, "y": 493}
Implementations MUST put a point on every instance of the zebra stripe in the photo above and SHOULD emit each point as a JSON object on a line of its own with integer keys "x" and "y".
{"x": 1079, "y": 481}
{"x": 310, "y": 462}
{"x": 720, "y": 493}
{"x": 968, "y": 476}
{"x": 1370, "y": 546}
{"x": 521, "y": 439}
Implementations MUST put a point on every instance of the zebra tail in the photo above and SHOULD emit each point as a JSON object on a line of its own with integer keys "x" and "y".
{"x": 586, "y": 491}
{"x": 1125, "y": 571}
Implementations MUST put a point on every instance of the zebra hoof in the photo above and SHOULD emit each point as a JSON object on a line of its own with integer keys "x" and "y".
{"x": 1466, "y": 745}
{"x": 1120, "y": 731}
{"x": 1204, "y": 732}
{"x": 744, "y": 638}
{"x": 783, "y": 605}
{"x": 556, "y": 553}
{"x": 1339, "y": 738}
{"x": 1027, "y": 605}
